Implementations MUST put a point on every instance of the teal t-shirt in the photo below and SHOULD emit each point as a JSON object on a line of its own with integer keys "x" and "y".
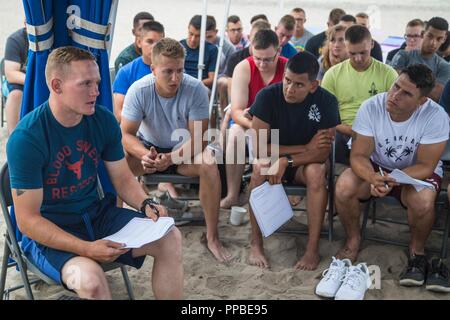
{"x": 63, "y": 161}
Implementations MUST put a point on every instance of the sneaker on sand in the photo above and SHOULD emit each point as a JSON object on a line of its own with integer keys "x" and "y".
{"x": 332, "y": 278}
{"x": 414, "y": 273}
{"x": 166, "y": 200}
{"x": 437, "y": 277}
{"x": 355, "y": 283}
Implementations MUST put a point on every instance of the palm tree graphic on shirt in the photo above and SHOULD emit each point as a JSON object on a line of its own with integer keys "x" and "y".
{"x": 391, "y": 152}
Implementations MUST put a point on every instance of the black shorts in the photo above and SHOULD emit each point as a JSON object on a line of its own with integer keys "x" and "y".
{"x": 171, "y": 169}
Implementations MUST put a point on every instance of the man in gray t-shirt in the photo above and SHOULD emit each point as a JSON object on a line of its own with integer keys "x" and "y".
{"x": 157, "y": 105}
{"x": 435, "y": 34}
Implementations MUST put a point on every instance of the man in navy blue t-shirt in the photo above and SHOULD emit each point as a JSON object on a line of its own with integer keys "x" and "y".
{"x": 445, "y": 98}
{"x": 192, "y": 46}
{"x": 305, "y": 116}
{"x": 53, "y": 156}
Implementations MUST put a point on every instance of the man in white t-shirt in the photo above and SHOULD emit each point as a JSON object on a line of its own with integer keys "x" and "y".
{"x": 401, "y": 129}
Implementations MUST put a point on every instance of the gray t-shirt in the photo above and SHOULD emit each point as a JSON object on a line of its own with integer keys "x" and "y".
{"x": 300, "y": 43}
{"x": 439, "y": 67}
{"x": 227, "y": 50}
{"x": 16, "y": 48}
{"x": 161, "y": 116}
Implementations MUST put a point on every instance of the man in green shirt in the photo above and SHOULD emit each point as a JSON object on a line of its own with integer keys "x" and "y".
{"x": 354, "y": 81}
{"x": 133, "y": 51}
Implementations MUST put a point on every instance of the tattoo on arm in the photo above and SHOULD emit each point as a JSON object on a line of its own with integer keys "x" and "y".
{"x": 20, "y": 192}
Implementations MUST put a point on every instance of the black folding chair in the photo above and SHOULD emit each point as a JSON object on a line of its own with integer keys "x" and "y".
{"x": 13, "y": 256}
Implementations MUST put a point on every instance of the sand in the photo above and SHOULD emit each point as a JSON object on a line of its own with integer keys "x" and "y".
{"x": 204, "y": 277}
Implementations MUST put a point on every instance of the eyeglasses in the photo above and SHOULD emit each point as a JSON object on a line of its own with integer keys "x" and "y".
{"x": 412, "y": 36}
{"x": 265, "y": 60}
{"x": 235, "y": 30}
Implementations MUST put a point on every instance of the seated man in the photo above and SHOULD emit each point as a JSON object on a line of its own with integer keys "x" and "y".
{"x": 413, "y": 39}
{"x": 355, "y": 80}
{"x": 297, "y": 102}
{"x": 192, "y": 46}
{"x": 133, "y": 51}
{"x": 235, "y": 33}
{"x": 401, "y": 129}
{"x": 445, "y": 98}
{"x": 284, "y": 31}
{"x": 301, "y": 35}
{"x": 157, "y": 105}
{"x": 363, "y": 19}
{"x": 434, "y": 36}
{"x": 150, "y": 33}
{"x": 16, "y": 56}
{"x": 263, "y": 68}
{"x": 53, "y": 156}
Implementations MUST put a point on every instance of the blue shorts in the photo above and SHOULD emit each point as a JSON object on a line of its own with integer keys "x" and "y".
{"x": 100, "y": 220}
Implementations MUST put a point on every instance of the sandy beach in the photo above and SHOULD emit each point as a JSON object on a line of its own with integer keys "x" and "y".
{"x": 204, "y": 277}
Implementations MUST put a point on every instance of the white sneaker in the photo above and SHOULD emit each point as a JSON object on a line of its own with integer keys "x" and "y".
{"x": 332, "y": 278}
{"x": 355, "y": 283}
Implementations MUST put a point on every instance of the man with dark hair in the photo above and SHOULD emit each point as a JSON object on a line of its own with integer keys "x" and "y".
{"x": 16, "y": 57}
{"x": 363, "y": 20}
{"x": 235, "y": 33}
{"x": 301, "y": 35}
{"x": 284, "y": 31}
{"x": 434, "y": 36}
{"x": 445, "y": 98}
{"x": 297, "y": 102}
{"x": 354, "y": 81}
{"x": 53, "y": 158}
{"x": 315, "y": 43}
{"x": 259, "y": 17}
{"x": 192, "y": 46}
{"x": 151, "y": 32}
{"x": 264, "y": 67}
{"x": 413, "y": 38}
{"x": 400, "y": 129}
{"x": 133, "y": 51}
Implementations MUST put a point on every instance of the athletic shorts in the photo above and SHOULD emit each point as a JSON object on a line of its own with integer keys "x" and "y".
{"x": 99, "y": 221}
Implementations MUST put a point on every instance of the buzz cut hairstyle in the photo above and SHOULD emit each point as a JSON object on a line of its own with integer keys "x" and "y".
{"x": 348, "y": 18}
{"x": 265, "y": 38}
{"x": 260, "y": 25}
{"x": 141, "y": 16}
{"x": 335, "y": 15}
{"x": 169, "y": 48}
{"x": 196, "y": 22}
{"x": 298, "y": 10}
{"x": 356, "y": 34}
{"x": 60, "y": 58}
{"x": 288, "y": 22}
{"x": 421, "y": 76}
{"x": 233, "y": 19}
{"x": 304, "y": 62}
{"x": 362, "y": 15}
{"x": 152, "y": 26}
{"x": 437, "y": 23}
{"x": 416, "y": 23}
{"x": 261, "y": 16}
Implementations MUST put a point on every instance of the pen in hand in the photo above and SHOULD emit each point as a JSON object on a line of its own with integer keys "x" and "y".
{"x": 382, "y": 174}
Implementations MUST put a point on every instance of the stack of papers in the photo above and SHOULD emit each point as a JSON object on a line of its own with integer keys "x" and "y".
{"x": 140, "y": 231}
{"x": 271, "y": 207}
{"x": 403, "y": 178}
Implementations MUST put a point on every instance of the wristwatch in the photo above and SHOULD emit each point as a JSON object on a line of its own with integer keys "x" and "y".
{"x": 289, "y": 159}
{"x": 152, "y": 204}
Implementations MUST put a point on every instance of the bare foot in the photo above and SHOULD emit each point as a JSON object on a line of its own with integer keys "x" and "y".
{"x": 309, "y": 261}
{"x": 228, "y": 202}
{"x": 257, "y": 257}
{"x": 348, "y": 252}
{"x": 166, "y": 186}
{"x": 217, "y": 249}
{"x": 295, "y": 200}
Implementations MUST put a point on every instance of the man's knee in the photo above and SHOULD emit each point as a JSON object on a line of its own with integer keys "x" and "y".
{"x": 85, "y": 278}
{"x": 315, "y": 175}
{"x": 346, "y": 186}
{"x": 421, "y": 205}
{"x": 259, "y": 172}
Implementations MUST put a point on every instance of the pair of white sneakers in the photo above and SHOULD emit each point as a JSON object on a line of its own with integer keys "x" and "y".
{"x": 343, "y": 281}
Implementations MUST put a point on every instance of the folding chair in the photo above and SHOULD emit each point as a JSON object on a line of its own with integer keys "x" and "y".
{"x": 4, "y": 91}
{"x": 13, "y": 256}
{"x": 441, "y": 201}
{"x": 300, "y": 190}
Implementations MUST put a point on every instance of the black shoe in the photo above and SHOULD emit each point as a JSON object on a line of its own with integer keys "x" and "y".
{"x": 414, "y": 273}
{"x": 437, "y": 278}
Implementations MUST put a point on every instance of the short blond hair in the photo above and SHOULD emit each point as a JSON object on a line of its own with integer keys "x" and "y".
{"x": 169, "y": 48}
{"x": 60, "y": 58}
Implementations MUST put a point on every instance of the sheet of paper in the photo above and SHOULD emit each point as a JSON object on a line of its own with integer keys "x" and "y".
{"x": 271, "y": 207}
{"x": 403, "y": 178}
{"x": 140, "y": 231}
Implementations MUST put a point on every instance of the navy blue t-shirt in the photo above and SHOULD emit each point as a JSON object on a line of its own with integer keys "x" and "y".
{"x": 191, "y": 60}
{"x": 63, "y": 161}
{"x": 445, "y": 98}
{"x": 297, "y": 122}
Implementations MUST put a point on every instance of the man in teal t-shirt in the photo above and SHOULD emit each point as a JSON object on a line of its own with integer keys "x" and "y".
{"x": 53, "y": 156}
{"x": 354, "y": 81}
